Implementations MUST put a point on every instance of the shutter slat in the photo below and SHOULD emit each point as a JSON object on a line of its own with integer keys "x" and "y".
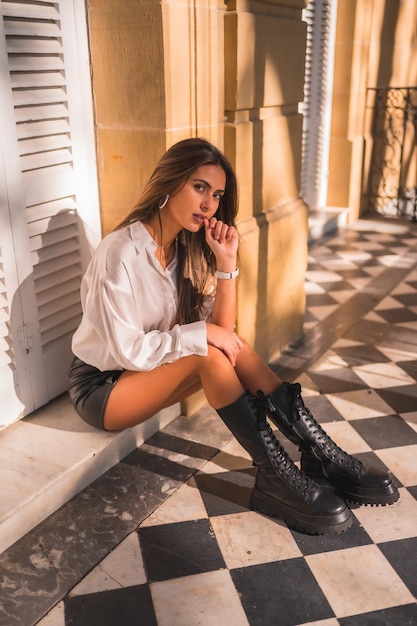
{"x": 37, "y": 79}
{"x": 48, "y": 184}
{"x": 22, "y": 28}
{"x": 65, "y": 275}
{"x": 59, "y": 309}
{"x": 22, "y": 97}
{"x": 40, "y": 144}
{"x": 32, "y": 63}
{"x": 59, "y": 291}
{"x": 41, "y": 127}
{"x": 31, "y": 45}
{"x": 44, "y": 11}
{"x": 50, "y": 209}
{"x": 47, "y": 269}
{"x": 63, "y": 226}
{"x": 45, "y": 159}
{"x": 25, "y": 114}
{"x": 57, "y": 251}
{"x": 58, "y": 333}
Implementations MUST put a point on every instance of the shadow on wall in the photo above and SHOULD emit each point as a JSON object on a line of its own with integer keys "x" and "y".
{"x": 46, "y": 310}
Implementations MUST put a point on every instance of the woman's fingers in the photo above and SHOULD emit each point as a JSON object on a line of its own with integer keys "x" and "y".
{"x": 219, "y": 231}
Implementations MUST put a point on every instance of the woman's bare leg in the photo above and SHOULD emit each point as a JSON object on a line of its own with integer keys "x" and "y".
{"x": 253, "y": 373}
{"x": 138, "y": 395}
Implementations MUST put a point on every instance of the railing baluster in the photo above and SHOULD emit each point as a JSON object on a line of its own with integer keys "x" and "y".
{"x": 391, "y": 179}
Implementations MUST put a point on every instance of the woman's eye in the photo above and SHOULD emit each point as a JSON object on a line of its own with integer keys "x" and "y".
{"x": 218, "y": 196}
{"x": 199, "y": 187}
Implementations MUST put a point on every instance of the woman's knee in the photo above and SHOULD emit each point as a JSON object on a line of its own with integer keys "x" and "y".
{"x": 216, "y": 358}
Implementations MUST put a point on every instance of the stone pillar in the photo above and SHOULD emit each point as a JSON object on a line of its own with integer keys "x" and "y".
{"x": 264, "y": 76}
{"x": 127, "y": 59}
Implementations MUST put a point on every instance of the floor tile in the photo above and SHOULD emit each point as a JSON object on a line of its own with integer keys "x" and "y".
{"x": 332, "y": 621}
{"x": 398, "y": 316}
{"x": 226, "y": 492}
{"x": 345, "y": 436}
{"x": 184, "y": 505}
{"x": 55, "y": 617}
{"x": 411, "y": 419}
{"x": 390, "y": 523}
{"x": 401, "y": 399}
{"x": 337, "y": 380}
{"x": 367, "y": 332}
{"x": 323, "y": 409}
{"x": 249, "y": 539}
{"x": 273, "y": 589}
{"x": 404, "y": 615}
{"x": 385, "y": 431}
{"x": 402, "y": 463}
{"x": 410, "y": 367}
{"x": 360, "y": 354}
{"x": 321, "y": 312}
{"x": 118, "y": 606}
{"x": 121, "y": 568}
{"x": 317, "y": 300}
{"x": 169, "y": 550}
{"x": 358, "y": 580}
{"x": 330, "y": 359}
{"x": 398, "y": 355}
{"x": 401, "y": 554}
{"x": 360, "y": 404}
{"x": 388, "y": 303}
{"x": 380, "y": 375}
{"x": 201, "y": 600}
{"x": 342, "y": 295}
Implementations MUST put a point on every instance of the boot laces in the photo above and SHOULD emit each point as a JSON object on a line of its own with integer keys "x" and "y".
{"x": 280, "y": 460}
{"x": 327, "y": 445}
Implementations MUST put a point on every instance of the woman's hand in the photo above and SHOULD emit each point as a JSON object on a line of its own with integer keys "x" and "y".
{"x": 223, "y": 241}
{"x": 224, "y": 340}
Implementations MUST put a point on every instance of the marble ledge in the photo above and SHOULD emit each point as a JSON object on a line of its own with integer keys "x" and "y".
{"x": 51, "y": 455}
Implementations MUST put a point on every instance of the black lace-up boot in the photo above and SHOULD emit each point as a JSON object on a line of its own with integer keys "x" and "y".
{"x": 281, "y": 489}
{"x": 321, "y": 458}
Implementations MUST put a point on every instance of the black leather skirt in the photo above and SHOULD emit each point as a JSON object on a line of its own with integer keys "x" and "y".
{"x": 89, "y": 389}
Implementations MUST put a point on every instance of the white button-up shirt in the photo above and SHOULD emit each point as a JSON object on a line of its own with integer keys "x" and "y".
{"x": 129, "y": 307}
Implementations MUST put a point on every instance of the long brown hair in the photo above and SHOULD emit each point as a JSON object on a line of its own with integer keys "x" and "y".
{"x": 196, "y": 262}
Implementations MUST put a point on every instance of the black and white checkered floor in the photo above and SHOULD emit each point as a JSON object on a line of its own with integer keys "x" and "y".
{"x": 166, "y": 535}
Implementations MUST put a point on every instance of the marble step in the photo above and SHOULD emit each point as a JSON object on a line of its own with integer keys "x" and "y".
{"x": 324, "y": 222}
{"x": 52, "y": 455}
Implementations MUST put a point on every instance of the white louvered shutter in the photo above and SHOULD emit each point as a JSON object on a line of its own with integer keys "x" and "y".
{"x": 51, "y": 204}
{"x": 320, "y": 16}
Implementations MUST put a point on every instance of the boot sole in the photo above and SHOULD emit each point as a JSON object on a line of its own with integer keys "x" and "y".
{"x": 309, "y": 524}
{"x": 390, "y": 496}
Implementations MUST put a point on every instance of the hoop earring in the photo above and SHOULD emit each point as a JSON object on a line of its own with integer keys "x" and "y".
{"x": 163, "y": 203}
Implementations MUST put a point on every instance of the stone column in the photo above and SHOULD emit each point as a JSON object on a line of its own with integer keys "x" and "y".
{"x": 264, "y": 77}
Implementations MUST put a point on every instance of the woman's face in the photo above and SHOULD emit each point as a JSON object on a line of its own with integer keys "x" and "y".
{"x": 199, "y": 198}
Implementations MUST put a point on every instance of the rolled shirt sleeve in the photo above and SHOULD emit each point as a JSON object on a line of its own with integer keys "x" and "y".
{"x": 129, "y": 309}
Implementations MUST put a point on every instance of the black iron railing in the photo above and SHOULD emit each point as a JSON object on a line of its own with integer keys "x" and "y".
{"x": 390, "y": 168}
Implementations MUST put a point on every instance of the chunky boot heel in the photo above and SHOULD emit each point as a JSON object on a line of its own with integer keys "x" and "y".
{"x": 321, "y": 458}
{"x": 281, "y": 489}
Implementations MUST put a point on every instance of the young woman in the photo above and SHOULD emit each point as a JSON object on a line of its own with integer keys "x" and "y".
{"x": 158, "y": 323}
